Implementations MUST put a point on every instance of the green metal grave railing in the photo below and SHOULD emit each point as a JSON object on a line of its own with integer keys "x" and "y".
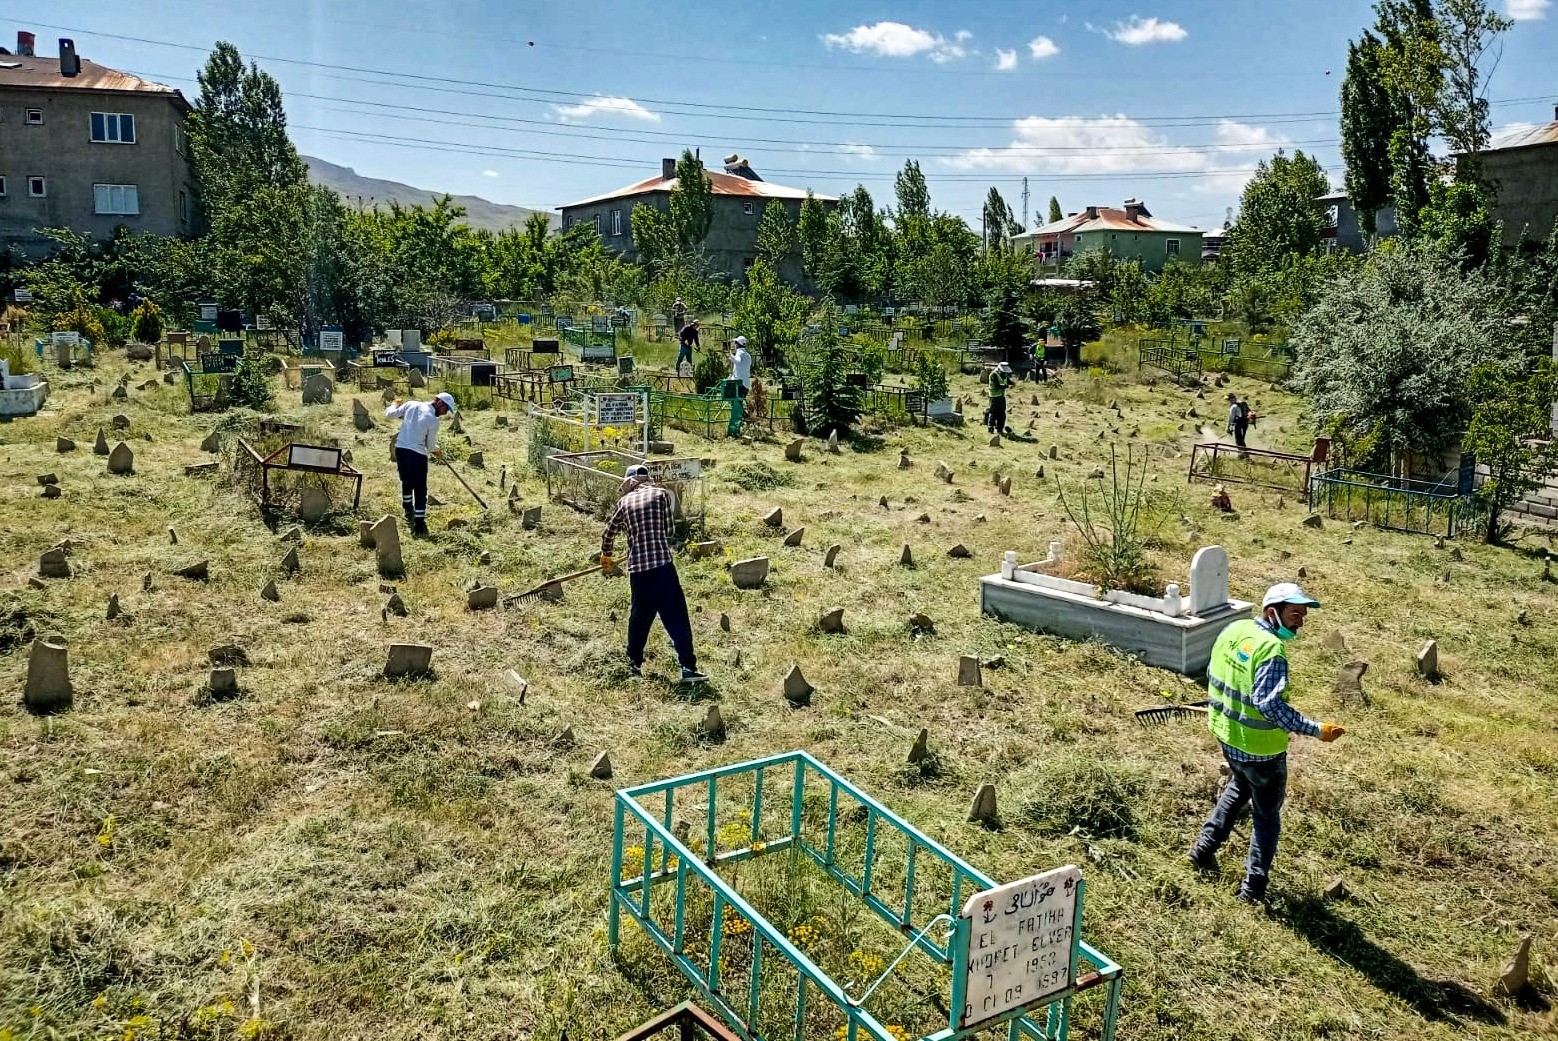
{"x": 1399, "y": 504}
{"x": 910, "y": 882}
{"x": 209, "y": 381}
{"x": 1176, "y": 359}
{"x": 708, "y": 414}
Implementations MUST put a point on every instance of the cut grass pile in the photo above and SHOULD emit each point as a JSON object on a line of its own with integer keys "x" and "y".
{"x": 332, "y": 855}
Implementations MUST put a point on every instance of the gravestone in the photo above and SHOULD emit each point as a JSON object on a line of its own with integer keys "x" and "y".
{"x": 833, "y": 442}
{"x": 121, "y": 422}
{"x": 64, "y": 444}
{"x": 906, "y": 558}
{"x": 114, "y": 610}
{"x": 477, "y": 460}
{"x": 1349, "y": 678}
{"x": 173, "y": 537}
{"x": 701, "y": 550}
{"x": 995, "y": 441}
{"x": 750, "y": 573}
{"x": 211, "y": 443}
{"x": 600, "y": 769}
{"x": 386, "y": 544}
{"x": 361, "y": 419}
{"x": 920, "y": 750}
{"x": 119, "y": 393}
{"x": 365, "y": 534}
{"x": 831, "y": 555}
{"x": 1334, "y": 641}
{"x": 293, "y": 534}
{"x": 121, "y": 460}
{"x": 1428, "y": 661}
{"x": 289, "y": 562}
{"x": 774, "y": 518}
{"x": 482, "y": 598}
{"x": 52, "y": 564}
{"x": 959, "y": 552}
{"x": 831, "y": 620}
{"x": 48, "y": 686}
{"x": 227, "y": 654}
{"x": 968, "y": 672}
{"x": 1314, "y": 520}
{"x": 313, "y": 504}
{"x": 52, "y": 491}
{"x": 415, "y": 380}
{"x": 395, "y": 606}
{"x": 1208, "y": 579}
{"x": 222, "y": 684}
{"x": 530, "y": 518}
{"x": 199, "y": 571}
{"x": 724, "y": 622}
{"x": 408, "y": 660}
{"x": 269, "y": 591}
{"x": 712, "y": 725}
{"x": 796, "y": 690}
{"x": 1054, "y": 450}
{"x": 1516, "y": 974}
{"x": 983, "y": 809}
{"x": 921, "y": 623}
{"x": 903, "y": 460}
{"x": 1005, "y": 486}
{"x": 792, "y": 451}
{"x": 794, "y": 538}
{"x": 318, "y": 389}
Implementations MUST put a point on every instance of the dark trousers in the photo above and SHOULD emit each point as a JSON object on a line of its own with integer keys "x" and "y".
{"x": 1263, "y": 787}
{"x": 997, "y": 421}
{"x": 658, "y": 593}
{"x": 1239, "y": 430}
{"x": 683, "y": 354}
{"x": 412, "y": 467}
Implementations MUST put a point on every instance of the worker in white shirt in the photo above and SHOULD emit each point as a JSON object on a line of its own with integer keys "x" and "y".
{"x": 414, "y": 445}
{"x": 741, "y": 365}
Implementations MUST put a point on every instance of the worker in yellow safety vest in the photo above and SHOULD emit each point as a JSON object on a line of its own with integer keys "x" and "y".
{"x": 1249, "y": 716}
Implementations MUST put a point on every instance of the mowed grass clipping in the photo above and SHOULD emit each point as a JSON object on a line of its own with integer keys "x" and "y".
{"x": 330, "y": 855}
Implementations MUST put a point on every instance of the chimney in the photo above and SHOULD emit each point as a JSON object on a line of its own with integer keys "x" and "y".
{"x": 24, "y": 43}
{"x": 667, "y": 169}
{"x": 70, "y": 62}
{"x": 1092, "y": 213}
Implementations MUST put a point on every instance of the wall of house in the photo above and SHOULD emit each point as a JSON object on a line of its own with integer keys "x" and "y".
{"x": 63, "y": 153}
{"x": 1527, "y": 180}
{"x": 1150, "y": 247}
{"x": 730, "y": 246}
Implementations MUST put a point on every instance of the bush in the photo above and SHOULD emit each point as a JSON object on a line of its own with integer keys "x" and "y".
{"x": 710, "y": 369}
{"x": 1113, "y": 528}
{"x": 252, "y": 385}
{"x": 81, "y": 319}
{"x": 1073, "y": 793}
{"x": 146, "y": 323}
{"x": 116, "y": 326}
{"x": 930, "y": 378}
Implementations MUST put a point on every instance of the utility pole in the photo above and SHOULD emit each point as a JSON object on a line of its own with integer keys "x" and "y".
{"x": 1024, "y": 204}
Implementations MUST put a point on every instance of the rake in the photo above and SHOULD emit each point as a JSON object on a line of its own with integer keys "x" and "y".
{"x": 551, "y": 583}
{"x": 1163, "y": 713}
{"x": 478, "y": 498}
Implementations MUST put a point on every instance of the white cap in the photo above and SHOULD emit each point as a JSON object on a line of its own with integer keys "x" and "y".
{"x": 636, "y": 472}
{"x": 740, "y": 341}
{"x": 1287, "y": 593}
{"x": 447, "y": 398}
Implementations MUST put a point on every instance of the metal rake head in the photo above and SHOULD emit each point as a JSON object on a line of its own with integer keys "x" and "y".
{"x": 1163, "y": 713}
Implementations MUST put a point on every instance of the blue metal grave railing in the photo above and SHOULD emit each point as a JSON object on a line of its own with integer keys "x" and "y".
{"x": 1422, "y": 507}
{"x": 673, "y": 860}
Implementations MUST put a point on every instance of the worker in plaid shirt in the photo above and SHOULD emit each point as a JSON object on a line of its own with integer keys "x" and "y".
{"x": 644, "y": 512}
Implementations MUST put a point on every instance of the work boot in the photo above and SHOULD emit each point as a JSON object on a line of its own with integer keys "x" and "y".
{"x": 692, "y": 675}
{"x": 419, "y": 529}
{"x": 1253, "y": 890}
{"x": 1203, "y": 860}
{"x": 411, "y": 514}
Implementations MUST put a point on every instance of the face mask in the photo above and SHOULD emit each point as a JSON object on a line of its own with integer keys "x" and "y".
{"x": 1283, "y": 632}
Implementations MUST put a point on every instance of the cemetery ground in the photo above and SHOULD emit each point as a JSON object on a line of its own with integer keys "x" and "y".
{"x": 328, "y": 854}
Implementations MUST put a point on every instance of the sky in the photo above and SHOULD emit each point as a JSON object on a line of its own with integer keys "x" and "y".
{"x": 541, "y": 103}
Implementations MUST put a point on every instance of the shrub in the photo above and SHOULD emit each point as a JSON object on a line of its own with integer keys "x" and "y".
{"x": 146, "y": 323}
{"x": 116, "y": 326}
{"x": 81, "y": 319}
{"x": 252, "y": 385}
{"x": 1113, "y": 528}
{"x": 831, "y": 402}
{"x": 930, "y": 378}
{"x": 709, "y": 370}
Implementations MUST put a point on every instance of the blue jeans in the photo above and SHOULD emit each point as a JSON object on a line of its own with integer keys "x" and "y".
{"x": 684, "y": 354}
{"x": 658, "y": 592}
{"x": 1262, "y": 786}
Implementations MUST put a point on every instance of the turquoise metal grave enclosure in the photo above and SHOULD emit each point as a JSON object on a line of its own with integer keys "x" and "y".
{"x": 793, "y": 803}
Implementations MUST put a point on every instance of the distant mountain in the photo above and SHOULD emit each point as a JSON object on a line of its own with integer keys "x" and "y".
{"x": 349, "y": 184}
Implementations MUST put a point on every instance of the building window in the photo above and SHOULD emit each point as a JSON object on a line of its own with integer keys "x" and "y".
{"x": 597, "y": 224}
{"x": 113, "y": 128}
{"x": 35, "y": 117}
{"x": 116, "y": 199}
{"x": 616, "y": 222}
{"x": 746, "y": 263}
{"x": 2, "y": 187}
{"x": 748, "y": 207}
{"x": 567, "y": 222}
{"x": 180, "y": 139}
{"x": 183, "y": 207}
{"x": 37, "y": 188}
{"x": 1171, "y": 247}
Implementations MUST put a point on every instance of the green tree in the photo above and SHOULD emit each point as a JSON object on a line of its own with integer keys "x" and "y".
{"x": 1368, "y": 120}
{"x": 1411, "y": 65}
{"x": 769, "y": 314}
{"x": 1468, "y": 31}
{"x": 1077, "y": 324}
{"x": 1055, "y": 213}
{"x": 1384, "y": 351}
{"x": 1509, "y": 435}
{"x": 1459, "y": 218}
{"x": 831, "y": 402}
{"x": 912, "y": 192}
{"x": 996, "y": 216}
{"x": 811, "y": 233}
{"x": 654, "y": 237}
{"x": 692, "y": 202}
{"x": 146, "y": 323}
{"x": 1278, "y": 215}
{"x": 775, "y": 235}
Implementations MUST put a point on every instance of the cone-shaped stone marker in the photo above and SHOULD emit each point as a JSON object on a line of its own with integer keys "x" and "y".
{"x": 1428, "y": 661}
{"x": 48, "y": 686}
{"x": 794, "y": 538}
{"x": 293, "y": 534}
{"x": 792, "y": 451}
{"x": 774, "y": 518}
{"x": 361, "y": 418}
{"x": 959, "y": 552}
{"x": 212, "y": 442}
{"x": 995, "y": 441}
{"x": 395, "y": 606}
{"x": 906, "y": 558}
{"x": 121, "y": 460}
{"x": 269, "y": 591}
{"x": 920, "y": 750}
{"x": 600, "y": 769}
{"x": 712, "y": 725}
{"x": 289, "y": 562}
{"x": 114, "y": 610}
{"x": 832, "y": 620}
{"x": 968, "y": 672}
{"x": 52, "y": 563}
{"x": 921, "y": 623}
{"x": 565, "y": 737}
{"x": 831, "y": 555}
{"x": 64, "y": 444}
{"x": 199, "y": 571}
{"x": 983, "y": 810}
{"x": 1516, "y": 976}
{"x": 796, "y": 690}
{"x": 100, "y": 446}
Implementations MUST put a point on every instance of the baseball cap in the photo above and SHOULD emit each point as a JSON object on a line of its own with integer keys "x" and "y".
{"x": 1287, "y": 593}
{"x": 1005, "y": 366}
{"x": 740, "y": 341}
{"x": 447, "y": 398}
{"x": 636, "y": 470}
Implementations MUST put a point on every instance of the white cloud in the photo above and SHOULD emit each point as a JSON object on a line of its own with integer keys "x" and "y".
{"x": 602, "y": 104}
{"x": 1042, "y": 47}
{"x": 1005, "y": 61}
{"x": 1139, "y": 31}
{"x": 489, "y": 173}
{"x": 1527, "y": 10}
{"x": 1121, "y": 145}
{"x": 897, "y": 40}
{"x": 865, "y": 153}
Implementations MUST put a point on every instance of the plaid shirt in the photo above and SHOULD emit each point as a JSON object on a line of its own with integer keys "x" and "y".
{"x": 1271, "y": 679}
{"x": 645, "y": 513}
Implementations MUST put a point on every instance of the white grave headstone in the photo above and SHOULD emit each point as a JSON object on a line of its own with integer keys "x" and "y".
{"x": 331, "y": 339}
{"x": 1022, "y": 944}
{"x": 1208, "y": 579}
{"x": 616, "y": 410}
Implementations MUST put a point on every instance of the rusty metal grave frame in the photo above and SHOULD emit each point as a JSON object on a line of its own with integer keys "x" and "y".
{"x": 267, "y": 477}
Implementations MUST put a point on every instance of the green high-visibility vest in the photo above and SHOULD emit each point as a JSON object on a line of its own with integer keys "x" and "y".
{"x": 1240, "y": 650}
{"x": 999, "y": 381}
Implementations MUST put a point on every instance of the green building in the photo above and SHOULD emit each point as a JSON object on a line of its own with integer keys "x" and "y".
{"x": 1131, "y": 233}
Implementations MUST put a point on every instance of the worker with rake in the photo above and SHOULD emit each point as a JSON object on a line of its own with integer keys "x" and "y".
{"x": 414, "y": 445}
{"x": 1248, "y": 715}
{"x": 644, "y": 512}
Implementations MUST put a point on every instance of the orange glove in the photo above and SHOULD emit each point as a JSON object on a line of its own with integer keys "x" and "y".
{"x": 1331, "y": 731}
{"x": 607, "y": 564}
